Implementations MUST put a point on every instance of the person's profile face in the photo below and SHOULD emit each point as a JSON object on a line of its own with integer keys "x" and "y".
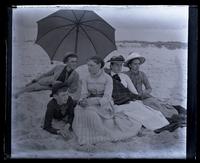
{"x": 93, "y": 67}
{"x": 135, "y": 64}
{"x": 116, "y": 67}
{"x": 63, "y": 96}
{"x": 72, "y": 62}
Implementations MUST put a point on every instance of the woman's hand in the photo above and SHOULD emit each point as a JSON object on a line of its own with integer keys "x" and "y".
{"x": 65, "y": 132}
{"x": 93, "y": 101}
{"x": 111, "y": 110}
{"x": 83, "y": 103}
{"x": 144, "y": 95}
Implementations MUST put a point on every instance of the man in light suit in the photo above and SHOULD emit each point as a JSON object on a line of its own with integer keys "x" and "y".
{"x": 63, "y": 73}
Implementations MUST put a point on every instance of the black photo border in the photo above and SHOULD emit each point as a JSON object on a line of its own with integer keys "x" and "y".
{"x": 193, "y": 85}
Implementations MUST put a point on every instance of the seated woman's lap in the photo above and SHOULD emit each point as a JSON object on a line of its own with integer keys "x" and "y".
{"x": 87, "y": 117}
{"x": 156, "y": 104}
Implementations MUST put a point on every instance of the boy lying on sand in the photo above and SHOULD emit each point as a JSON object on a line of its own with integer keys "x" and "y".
{"x": 60, "y": 107}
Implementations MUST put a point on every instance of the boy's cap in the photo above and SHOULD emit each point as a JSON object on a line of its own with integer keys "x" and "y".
{"x": 58, "y": 86}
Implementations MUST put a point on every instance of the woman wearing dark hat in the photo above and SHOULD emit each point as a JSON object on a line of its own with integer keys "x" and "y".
{"x": 123, "y": 89}
{"x": 59, "y": 74}
{"x": 139, "y": 78}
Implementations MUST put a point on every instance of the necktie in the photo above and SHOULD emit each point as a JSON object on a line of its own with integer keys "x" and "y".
{"x": 116, "y": 77}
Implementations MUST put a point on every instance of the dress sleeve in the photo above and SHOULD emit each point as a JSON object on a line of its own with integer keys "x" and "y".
{"x": 107, "y": 97}
{"x": 130, "y": 85}
{"x": 84, "y": 90}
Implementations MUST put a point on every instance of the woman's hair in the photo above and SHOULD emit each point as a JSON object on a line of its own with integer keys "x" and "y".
{"x": 98, "y": 60}
{"x": 131, "y": 62}
{"x": 69, "y": 55}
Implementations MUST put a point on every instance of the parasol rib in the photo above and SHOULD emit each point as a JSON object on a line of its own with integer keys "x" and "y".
{"x": 75, "y": 16}
{"x": 100, "y": 32}
{"x": 62, "y": 41}
{"x": 53, "y": 30}
{"x": 77, "y": 29}
{"x": 76, "y": 40}
{"x": 61, "y": 17}
{"x": 95, "y": 20}
{"x": 89, "y": 39}
{"x": 82, "y": 16}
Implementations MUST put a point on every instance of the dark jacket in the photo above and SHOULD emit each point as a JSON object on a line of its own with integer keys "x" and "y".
{"x": 59, "y": 112}
{"x": 121, "y": 95}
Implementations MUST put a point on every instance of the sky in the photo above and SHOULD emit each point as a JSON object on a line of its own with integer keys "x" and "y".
{"x": 143, "y": 23}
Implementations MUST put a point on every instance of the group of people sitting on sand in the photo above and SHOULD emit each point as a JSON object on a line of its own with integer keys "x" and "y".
{"x": 113, "y": 105}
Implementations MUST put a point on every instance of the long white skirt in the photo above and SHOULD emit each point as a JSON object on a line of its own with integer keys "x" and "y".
{"x": 90, "y": 127}
{"x": 150, "y": 118}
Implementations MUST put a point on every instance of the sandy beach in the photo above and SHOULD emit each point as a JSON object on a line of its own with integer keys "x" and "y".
{"x": 167, "y": 72}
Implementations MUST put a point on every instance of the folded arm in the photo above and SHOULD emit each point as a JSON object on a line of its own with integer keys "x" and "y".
{"x": 147, "y": 85}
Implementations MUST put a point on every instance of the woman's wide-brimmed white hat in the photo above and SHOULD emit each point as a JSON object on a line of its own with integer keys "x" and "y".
{"x": 132, "y": 56}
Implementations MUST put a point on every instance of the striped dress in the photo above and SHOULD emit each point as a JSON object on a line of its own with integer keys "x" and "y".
{"x": 99, "y": 123}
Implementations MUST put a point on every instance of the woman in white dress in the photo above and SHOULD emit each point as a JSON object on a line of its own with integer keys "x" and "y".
{"x": 94, "y": 119}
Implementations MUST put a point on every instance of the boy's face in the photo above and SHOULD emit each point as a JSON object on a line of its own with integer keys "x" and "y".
{"x": 72, "y": 63}
{"x": 116, "y": 67}
{"x": 62, "y": 96}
